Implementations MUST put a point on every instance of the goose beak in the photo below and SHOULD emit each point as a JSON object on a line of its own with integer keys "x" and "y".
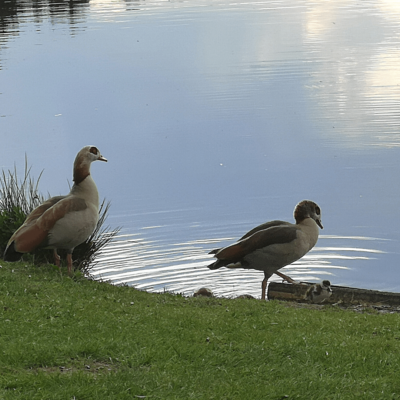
{"x": 319, "y": 223}
{"x": 101, "y": 158}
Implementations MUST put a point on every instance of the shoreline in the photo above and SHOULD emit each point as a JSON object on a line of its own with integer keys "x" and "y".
{"x": 342, "y": 296}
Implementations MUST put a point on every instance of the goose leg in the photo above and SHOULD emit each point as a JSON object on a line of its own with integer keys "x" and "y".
{"x": 57, "y": 259}
{"x": 264, "y": 285}
{"x": 286, "y": 278}
{"x": 69, "y": 263}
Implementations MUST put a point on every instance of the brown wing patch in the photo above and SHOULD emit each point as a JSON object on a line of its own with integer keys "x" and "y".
{"x": 28, "y": 238}
{"x": 266, "y": 225}
{"x": 233, "y": 253}
{"x": 33, "y": 233}
{"x": 59, "y": 210}
{"x": 263, "y": 238}
{"x": 215, "y": 251}
{"x": 258, "y": 228}
{"x": 39, "y": 211}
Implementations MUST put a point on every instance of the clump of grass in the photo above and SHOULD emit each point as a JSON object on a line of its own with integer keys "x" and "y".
{"x": 19, "y": 197}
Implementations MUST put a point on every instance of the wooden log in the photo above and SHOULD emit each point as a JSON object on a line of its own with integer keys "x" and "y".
{"x": 340, "y": 294}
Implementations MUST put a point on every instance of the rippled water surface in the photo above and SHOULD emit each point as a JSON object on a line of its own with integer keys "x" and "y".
{"x": 215, "y": 117}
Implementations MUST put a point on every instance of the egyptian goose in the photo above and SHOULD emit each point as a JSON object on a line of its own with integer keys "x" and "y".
{"x": 319, "y": 292}
{"x": 61, "y": 222}
{"x": 272, "y": 245}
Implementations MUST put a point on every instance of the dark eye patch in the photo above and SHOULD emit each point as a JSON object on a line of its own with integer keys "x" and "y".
{"x": 94, "y": 150}
{"x": 317, "y": 210}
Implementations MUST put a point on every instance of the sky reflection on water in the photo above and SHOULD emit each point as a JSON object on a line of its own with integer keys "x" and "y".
{"x": 215, "y": 117}
{"x": 181, "y": 268}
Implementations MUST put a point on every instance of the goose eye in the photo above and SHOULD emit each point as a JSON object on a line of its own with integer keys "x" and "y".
{"x": 94, "y": 150}
{"x": 317, "y": 210}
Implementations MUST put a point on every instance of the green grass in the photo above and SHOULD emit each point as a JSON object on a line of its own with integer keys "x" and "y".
{"x": 63, "y": 338}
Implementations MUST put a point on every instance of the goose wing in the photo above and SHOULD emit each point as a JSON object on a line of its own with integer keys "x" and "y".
{"x": 34, "y": 231}
{"x": 262, "y": 238}
{"x": 265, "y": 225}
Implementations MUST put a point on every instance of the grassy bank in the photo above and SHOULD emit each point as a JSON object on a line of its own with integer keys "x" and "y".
{"x": 78, "y": 339}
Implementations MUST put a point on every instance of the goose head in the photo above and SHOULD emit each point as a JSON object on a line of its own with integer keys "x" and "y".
{"x": 308, "y": 209}
{"x": 83, "y": 160}
{"x": 326, "y": 285}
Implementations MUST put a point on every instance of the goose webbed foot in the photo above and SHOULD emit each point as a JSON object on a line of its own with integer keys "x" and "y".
{"x": 288, "y": 278}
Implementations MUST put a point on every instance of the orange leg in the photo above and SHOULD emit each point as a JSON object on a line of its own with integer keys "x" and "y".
{"x": 263, "y": 288}
{"x": 285, "y": 277}
{"x": 57, "y": 259}
{"x": 289, "y": 279}
{"x": 264, "y": 285}
{"x": 69, "y": 263}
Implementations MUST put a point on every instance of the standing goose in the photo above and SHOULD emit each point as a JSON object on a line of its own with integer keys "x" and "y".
{"x": 272, "y": 245}
{"x": 61, "y": 222}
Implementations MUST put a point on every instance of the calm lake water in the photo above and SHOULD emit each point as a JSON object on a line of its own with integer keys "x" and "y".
{"x": 215, "y": 116}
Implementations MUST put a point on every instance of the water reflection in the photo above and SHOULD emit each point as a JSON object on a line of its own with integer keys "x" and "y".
{"x": 15, "y": 13}
{"x": 356, "y": 79}
{"x": 348, "y": 72}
